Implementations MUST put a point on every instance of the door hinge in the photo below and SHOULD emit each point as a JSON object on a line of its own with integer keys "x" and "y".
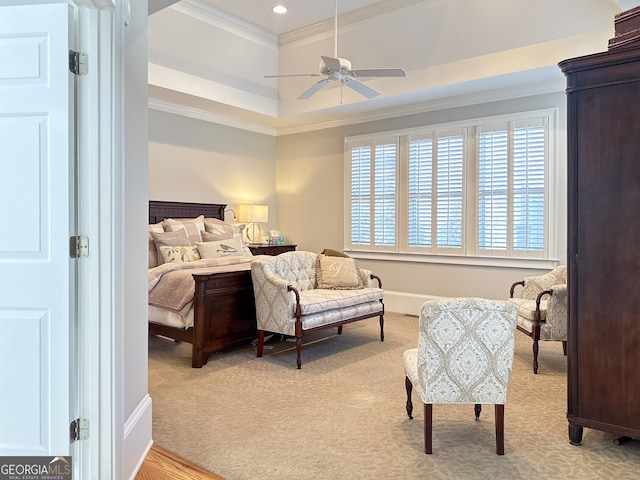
{"x": 78, "y": 62}
{"x": 79, "y": 429}
{"x": 79, "y": 246}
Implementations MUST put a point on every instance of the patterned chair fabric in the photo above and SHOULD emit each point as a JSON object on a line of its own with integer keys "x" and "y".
{"x": 542, "y": 308}
{"x": 288, "y": 301}
{"x": 464, "y": 356}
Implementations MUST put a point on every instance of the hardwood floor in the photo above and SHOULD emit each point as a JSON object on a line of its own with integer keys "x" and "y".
{"x": 161, "y": 464}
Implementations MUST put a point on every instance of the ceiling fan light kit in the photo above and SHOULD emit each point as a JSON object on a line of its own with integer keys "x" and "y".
{"x": 339, "y": 69}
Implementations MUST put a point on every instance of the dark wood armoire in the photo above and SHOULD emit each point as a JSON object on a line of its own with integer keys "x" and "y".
{"x": 603, "y": 130}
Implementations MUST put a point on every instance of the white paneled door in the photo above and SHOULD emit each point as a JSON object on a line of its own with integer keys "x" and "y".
{"x": 36, "y": 194}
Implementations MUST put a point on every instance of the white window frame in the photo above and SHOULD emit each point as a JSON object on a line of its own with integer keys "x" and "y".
{"x": 372, "y": 143}
{"x": 470, "y": 252}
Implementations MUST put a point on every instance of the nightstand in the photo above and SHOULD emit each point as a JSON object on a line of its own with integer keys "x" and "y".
{"x": 271, "y": 249}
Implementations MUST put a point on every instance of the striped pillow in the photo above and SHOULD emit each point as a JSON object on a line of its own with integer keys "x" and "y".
{"x": 193, "y": 227}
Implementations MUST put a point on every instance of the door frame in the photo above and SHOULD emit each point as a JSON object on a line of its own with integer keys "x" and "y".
{"x": 100, "y": 128}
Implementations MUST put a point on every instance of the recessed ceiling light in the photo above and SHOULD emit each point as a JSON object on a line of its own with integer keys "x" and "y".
{"x": 279, "y": 9}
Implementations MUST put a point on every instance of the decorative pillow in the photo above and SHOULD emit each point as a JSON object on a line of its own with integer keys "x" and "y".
{"x": 193, "y": 227}
{"x": 218, "y": 227}
{"x": 179, "y": 254}
{"x": 153, "y": 251}
{"x": 169, "y": 239}
{"x": 333, "y": 253}
{"x": 223, "y": 248}
{"x": 338, "y": 273}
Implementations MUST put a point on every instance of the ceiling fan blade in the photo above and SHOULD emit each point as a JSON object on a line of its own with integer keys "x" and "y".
{"x": 314, "y": 88}
{"x": 378, "y": 72}
{"x": 294, "y": 75}
{"x": 360, "y": 87}
{"x": 331, "y": 63}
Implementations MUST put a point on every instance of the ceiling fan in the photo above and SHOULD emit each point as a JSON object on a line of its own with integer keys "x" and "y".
{"x": 339, "y": 69}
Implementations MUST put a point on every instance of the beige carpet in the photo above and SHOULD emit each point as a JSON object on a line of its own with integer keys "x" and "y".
{"x": 342, "y": 416}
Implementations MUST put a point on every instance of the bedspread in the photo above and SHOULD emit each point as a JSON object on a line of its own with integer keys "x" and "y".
{"x": 171, "y": 285}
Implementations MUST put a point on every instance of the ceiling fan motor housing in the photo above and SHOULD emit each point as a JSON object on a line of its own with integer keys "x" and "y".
{"x": 345, "y": 67}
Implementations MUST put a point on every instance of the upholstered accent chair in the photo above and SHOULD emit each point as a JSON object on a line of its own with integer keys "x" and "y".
{"x": 464, "y": 356}
{"x": 295, "y": 294}
{"x": 542, "y": 308}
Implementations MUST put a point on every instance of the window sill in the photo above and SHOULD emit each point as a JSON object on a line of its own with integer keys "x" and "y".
{"x": 504, "y": 262}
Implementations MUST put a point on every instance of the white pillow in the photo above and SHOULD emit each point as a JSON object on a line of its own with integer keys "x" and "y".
{"x": 223, "y": 248}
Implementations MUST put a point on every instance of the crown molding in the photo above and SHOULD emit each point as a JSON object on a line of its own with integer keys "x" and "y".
{"x": 227, "y": 120}
{"x": 207, "y": 13}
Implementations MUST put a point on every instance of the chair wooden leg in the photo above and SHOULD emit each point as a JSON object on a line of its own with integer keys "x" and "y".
{"x": 564, "y": 347}
{"x": 477, "y": 408}
{"x": 500, "y": 429}
{"x": 299, "y": 352}
{"x": 409, "y": 405}
{"x": 382, "y": 328}
{"x": 428, "y": 428}
{"x": 535, "y": 356}
{"x": 260, "y": 343}
{"x": 340, "y": 330}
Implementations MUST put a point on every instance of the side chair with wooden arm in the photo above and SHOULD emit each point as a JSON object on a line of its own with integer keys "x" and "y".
{"x": 542, "y": 308}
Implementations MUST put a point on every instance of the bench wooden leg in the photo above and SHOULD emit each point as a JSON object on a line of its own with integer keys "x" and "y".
{"x": 382, "y": 328}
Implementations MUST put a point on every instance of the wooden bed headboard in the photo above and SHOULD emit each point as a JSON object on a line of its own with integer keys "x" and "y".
{"x": 159, "y": 210}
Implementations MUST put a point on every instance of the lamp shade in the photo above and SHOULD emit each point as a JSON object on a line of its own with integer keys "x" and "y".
{"x": 253, "y": 213}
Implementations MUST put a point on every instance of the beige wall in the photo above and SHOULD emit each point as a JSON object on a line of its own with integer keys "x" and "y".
{"x": 310, "y": 188}
{"x": 196, "y": 161}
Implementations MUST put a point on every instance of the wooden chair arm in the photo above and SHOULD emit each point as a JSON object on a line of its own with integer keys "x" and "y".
{"x": 513, "y": 287}
{"x": 293, "y": 289}
{"x": 378, "y": 279}
{"x": 537, "y": 315}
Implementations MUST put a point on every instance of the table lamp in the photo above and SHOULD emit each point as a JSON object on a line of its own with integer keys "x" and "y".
{"x": 253, "y": 215}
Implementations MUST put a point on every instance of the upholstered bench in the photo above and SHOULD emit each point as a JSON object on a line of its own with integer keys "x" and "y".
{"x": 298, "y": 292}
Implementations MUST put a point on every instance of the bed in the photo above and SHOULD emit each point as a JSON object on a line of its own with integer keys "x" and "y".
{"x": 222, "y": 314}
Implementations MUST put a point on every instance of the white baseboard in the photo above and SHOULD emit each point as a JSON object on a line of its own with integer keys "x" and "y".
{"x": 407, "y": 303}
{"x": 137, "y": 438}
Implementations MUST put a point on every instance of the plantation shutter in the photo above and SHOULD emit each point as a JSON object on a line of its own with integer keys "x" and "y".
{"x": 529, "y": 186}
{"x": 449, "y": 188}
{"x": 492, "y": 187}
{"x": 385, "y": 194}
{"x": 361, "y": 195}
{"x": 420, "y": 188}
